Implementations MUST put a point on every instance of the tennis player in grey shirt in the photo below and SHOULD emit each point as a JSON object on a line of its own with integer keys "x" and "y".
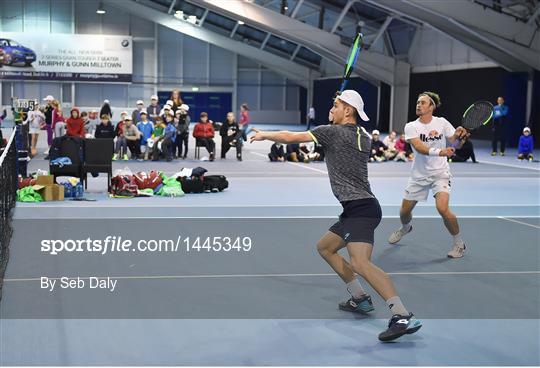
{"x": 347, "y": 146}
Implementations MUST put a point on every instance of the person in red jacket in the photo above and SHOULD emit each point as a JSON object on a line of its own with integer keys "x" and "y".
{"x": 204, "y": 134}
{"x": 75, "y": 124}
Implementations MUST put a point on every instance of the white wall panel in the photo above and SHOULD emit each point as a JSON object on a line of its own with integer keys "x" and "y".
{"x": 195, "y": 61}
{"x": 432, "y": 48}
{"x": 221, "y": 66}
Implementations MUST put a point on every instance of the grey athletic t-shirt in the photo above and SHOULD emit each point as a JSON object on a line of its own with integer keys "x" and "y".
{"x": 347, "y": 149}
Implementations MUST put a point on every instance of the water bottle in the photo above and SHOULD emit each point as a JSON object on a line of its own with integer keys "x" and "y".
{"x": 67, "y": 190}
{"x": 79, "y": 190}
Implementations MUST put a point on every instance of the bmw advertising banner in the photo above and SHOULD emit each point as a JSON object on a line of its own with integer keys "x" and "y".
{"x": 68, "y": 57}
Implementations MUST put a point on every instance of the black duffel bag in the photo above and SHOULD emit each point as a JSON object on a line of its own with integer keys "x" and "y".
{"x": 193, "y": 184}
{"x": 215, "y": 183}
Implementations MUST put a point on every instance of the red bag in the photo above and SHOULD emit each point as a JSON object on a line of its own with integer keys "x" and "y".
{"x": 147, "y": 181}
{"x": 26, "y": 182}
{"x": 123, "y": 186}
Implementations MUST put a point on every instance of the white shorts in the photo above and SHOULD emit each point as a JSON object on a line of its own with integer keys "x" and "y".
{"x": 418, "y": 190}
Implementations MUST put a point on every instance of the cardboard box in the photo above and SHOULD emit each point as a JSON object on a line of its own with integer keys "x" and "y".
{"x": 45, "y": 180}
{"x": 52, "y": 192}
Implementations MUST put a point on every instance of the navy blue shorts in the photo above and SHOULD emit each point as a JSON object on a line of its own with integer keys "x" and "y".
{"x": 358, "y": 221}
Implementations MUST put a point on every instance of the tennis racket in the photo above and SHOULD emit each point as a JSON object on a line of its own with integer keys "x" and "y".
{"x": 476, "y": 115}
{"x": 351, "y": 60}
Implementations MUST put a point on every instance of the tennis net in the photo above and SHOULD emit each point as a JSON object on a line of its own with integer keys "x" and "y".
{"x": 8, "y": 196}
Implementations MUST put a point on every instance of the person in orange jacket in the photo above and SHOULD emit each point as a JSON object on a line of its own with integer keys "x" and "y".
{"x": 204, "y": 134}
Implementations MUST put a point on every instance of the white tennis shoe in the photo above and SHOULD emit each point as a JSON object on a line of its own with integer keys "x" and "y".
{"x": 457, "y": 251}
{"x": 397, "y": 235}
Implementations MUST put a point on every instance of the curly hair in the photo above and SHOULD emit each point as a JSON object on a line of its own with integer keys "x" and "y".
{"x": 435, "y": 99}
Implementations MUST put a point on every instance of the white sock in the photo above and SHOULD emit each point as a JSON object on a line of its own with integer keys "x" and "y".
{"x": 355, "y": 289}
{"x": 405, "y": 228}
{"x": 457, "y": 239}
{"x": 396, "y": 306}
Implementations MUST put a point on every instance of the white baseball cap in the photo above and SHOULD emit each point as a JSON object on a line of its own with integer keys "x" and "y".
{"x": 354, "y": 99}
{"x": 375, "y": 132}
{"x": 48, "y": 98}
{"x": 154, "y": 97}
{"x": 184, "y": 107}
{"x": 140, "y": 102}
{"x": 143, "y": 111}
{"x": 128, "y": 117}
{"x": 526, "y": 129}
{"x": 167, "y": 107}
{"x": 106, "y": 101}
{"x": 124, "y": 112}
{"x": 170, "y": 102}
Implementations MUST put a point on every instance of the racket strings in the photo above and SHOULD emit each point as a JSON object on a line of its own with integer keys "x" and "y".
{"x": 478, "y": 115}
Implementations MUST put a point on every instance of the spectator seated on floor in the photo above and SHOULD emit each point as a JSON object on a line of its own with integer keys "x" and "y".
{"x": 464, "y": 153}
{"x": 159, "y": 130}
{"x": 378, "y": 148}
{"x": 204, "y": 134}
{"x": 390, "y": 142}
{"x": 310, "y": 150}
{"x": 164, "y": 144}
{"x": 105, "y": 129}
{"x": 277, "y": 153}
{"x": 526, "y": 145}
{"x": 159, "y": 126}
{"x": 294, "y": 154}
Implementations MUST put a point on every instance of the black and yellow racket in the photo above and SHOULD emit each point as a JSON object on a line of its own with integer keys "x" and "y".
{"x": 351, "y": 60}
{"x": 476, "y": 115}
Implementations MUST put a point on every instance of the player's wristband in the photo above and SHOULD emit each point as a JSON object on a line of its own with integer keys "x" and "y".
{"x": 434, "y": 151}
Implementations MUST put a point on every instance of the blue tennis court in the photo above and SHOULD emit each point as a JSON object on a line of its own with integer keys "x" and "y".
{"x": 276, "y": 304}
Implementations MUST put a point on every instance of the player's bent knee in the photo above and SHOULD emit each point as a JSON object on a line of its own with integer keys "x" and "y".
{"x": 324, "y": 249}
{"x": 360, "y": 265}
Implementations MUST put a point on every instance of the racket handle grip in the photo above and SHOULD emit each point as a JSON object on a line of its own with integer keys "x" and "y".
{"x": 456, "y": 143}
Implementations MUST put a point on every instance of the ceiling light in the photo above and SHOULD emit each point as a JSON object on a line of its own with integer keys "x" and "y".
{"x": 100, "y": 9}
{"x": 192, "y": 19}
{"x": 241, "y": 23}
{"x": 195, "y": 89}
{"x": 179, "y": 14}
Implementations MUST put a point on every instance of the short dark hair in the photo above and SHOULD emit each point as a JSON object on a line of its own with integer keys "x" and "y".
{"x": 433, "y": 96}
{"x": 105, "y": 116}
{"x": 203, "y": 114}
{"x": 84, "y": 113}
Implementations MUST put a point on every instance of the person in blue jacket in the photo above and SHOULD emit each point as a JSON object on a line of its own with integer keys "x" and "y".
{"x": 146, "y": 128}
{"x": 167, "y": 139}
{"x": 526, "y": 145}
{"x": 500, "y": 111}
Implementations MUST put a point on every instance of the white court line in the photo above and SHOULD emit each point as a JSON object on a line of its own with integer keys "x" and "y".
{"x": 172, "y": 277}
{"x": 296, "y": 164}
{"x": 510, "y": 165}
{"x": 518, "y": 222}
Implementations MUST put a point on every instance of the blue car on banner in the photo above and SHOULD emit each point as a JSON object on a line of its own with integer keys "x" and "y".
{"x": 15, "y": 53}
